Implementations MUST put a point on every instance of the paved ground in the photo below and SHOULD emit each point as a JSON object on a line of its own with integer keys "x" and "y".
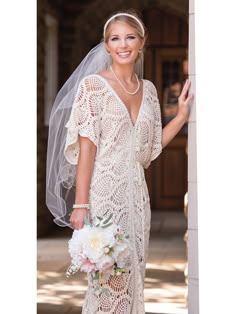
{"x": 165, "y": 288}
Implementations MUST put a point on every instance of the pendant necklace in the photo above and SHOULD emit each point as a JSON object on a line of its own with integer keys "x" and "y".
{"x": 130, "y": 93}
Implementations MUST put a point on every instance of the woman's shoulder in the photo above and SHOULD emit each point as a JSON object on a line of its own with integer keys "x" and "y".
{"x": 151, "y": 87}
{"x": 92, "y": 83}
{"x": 149, "y": 83}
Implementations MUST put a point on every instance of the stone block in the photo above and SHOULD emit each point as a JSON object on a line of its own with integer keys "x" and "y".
{"x": 192, "y": 116}
{"x": 193, "y": 253}
{"x": 192, "y": 69}
{"x": 191, "y": 6}
{"x": 192, "y": 206}
{"x": 192, "y": 152}
{"x": 193, "y": 296}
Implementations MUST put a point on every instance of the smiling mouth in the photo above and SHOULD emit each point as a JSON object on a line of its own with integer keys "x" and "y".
{"x": 124, "y": 54}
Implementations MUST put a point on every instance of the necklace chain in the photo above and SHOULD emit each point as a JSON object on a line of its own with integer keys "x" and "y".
{"x": 130, "y": 93}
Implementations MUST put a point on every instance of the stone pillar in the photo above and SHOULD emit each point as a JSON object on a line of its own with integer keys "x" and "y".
{"x": 193, "y": 280}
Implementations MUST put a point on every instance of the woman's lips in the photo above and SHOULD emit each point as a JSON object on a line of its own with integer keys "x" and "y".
{"x": 124, "y": 54}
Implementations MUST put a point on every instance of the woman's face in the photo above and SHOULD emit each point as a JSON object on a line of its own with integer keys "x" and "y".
{"x": 123, "y": 43}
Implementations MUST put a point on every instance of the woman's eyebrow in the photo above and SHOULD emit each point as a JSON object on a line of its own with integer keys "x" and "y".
{"x": 125, "y": 35}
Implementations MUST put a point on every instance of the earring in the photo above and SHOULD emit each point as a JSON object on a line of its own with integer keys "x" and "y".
{"x": 108, "y": 52}
{"x": 140, "y": 50}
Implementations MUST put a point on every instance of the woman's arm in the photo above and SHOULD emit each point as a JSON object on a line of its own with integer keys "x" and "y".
{"x": 175, "y": 125}
{"x": 83, "y": 178}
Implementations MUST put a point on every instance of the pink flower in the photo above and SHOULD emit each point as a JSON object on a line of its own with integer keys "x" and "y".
{"x": 88, "y": 267}
{"x": 104, "y": 263}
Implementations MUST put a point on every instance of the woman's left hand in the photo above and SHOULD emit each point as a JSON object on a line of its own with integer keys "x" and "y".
{"x": 184, "y": 101}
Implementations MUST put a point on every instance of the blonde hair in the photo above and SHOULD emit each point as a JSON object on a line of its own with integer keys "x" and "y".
{"x": 130, "y": 18}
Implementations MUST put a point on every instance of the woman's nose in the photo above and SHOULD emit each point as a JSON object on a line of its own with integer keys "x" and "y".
{"x": 123, "y": 43}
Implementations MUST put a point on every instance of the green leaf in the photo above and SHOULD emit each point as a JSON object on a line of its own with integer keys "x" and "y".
{"x": 106, "y": 212}
{"x": 106, "y": 292}
{"x": 96, "y": 276}
{"x": 87, "y": 222}
{"x": 96, "y": 288}
{"x": 106, "y": 221}
{"x": 106, "y": 226}
{"x": 99, "y": 218}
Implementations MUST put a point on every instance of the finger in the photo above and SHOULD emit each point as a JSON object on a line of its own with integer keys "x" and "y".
{"x": 76, "y": 226}
{"x": 73, "y": 225}
{"x": 189, "y": 98}
{"x": 81, "y": 225}
{"x": 185, "y": 88}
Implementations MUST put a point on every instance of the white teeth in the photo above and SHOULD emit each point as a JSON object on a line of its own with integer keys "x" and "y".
{"x": 123, "y": 54}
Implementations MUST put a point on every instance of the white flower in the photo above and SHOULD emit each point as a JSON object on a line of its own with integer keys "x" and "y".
{"x": 105, "y": 262}
{"x": 75, "y": 248}
{"x": 94, "y": 240}
{"x": 120, "y": 253}
{"x": 88, "y": 267}
{"x": 114, "y": 228}
{"x": 96, "y": 250}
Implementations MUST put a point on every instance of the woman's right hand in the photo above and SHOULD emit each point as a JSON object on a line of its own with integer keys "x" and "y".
{"x": 77, "y": 218}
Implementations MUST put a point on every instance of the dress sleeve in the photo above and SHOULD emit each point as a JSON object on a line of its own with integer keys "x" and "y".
{"x": 156, "y": 147}
{"x": 83, "y": 121}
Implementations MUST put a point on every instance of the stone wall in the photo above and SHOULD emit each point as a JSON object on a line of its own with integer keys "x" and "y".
{"x": 193, "y": 279}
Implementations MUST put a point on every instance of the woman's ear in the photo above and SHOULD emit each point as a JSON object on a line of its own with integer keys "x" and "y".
{"x": 142, "y": 43}
{"x": 106, "y": 47}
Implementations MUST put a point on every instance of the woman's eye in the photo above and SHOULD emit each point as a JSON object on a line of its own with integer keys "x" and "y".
{"x": 131, "y": 37}
{"x": 114, "y": 38}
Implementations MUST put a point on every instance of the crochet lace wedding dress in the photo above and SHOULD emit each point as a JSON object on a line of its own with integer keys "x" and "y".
{"x": 118, "y": 183}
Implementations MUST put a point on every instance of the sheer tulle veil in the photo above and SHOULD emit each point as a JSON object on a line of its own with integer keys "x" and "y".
{"x": 60, "y": 174}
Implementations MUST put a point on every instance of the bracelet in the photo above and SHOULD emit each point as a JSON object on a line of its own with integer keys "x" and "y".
{"x": 81, "y": 206}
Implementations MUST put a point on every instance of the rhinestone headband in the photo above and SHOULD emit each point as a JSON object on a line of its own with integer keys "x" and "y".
{"x": 124, "y": 14}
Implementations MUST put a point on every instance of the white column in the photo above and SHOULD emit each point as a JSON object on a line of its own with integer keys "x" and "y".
{"x": 193, "y": 280}
{"x": 216, "y": 154}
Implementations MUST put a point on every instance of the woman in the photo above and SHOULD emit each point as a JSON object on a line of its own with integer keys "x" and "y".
{"x": 113, "y": 132}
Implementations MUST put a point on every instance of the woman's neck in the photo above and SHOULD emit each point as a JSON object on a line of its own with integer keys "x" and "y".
{"x": 125, "y": 72}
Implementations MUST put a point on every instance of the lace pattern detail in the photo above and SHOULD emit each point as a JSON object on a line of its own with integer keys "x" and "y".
{"x": 118, "y": 182}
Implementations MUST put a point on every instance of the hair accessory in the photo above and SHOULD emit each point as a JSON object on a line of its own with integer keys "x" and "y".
{"x": 124, "y": 14}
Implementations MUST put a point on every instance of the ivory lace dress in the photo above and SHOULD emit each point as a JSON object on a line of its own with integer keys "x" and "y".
{"x": 118, "y": 183}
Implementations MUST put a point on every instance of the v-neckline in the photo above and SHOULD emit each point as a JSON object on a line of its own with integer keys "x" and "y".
{"x": 121, "y": 101}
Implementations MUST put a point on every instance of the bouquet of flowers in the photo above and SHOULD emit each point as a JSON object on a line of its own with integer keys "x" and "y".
{"x": 100, "y": 250}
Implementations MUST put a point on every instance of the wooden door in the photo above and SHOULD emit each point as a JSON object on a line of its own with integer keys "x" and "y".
{"x": 167, "y": 175}
{"x": 166, "y": 50}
